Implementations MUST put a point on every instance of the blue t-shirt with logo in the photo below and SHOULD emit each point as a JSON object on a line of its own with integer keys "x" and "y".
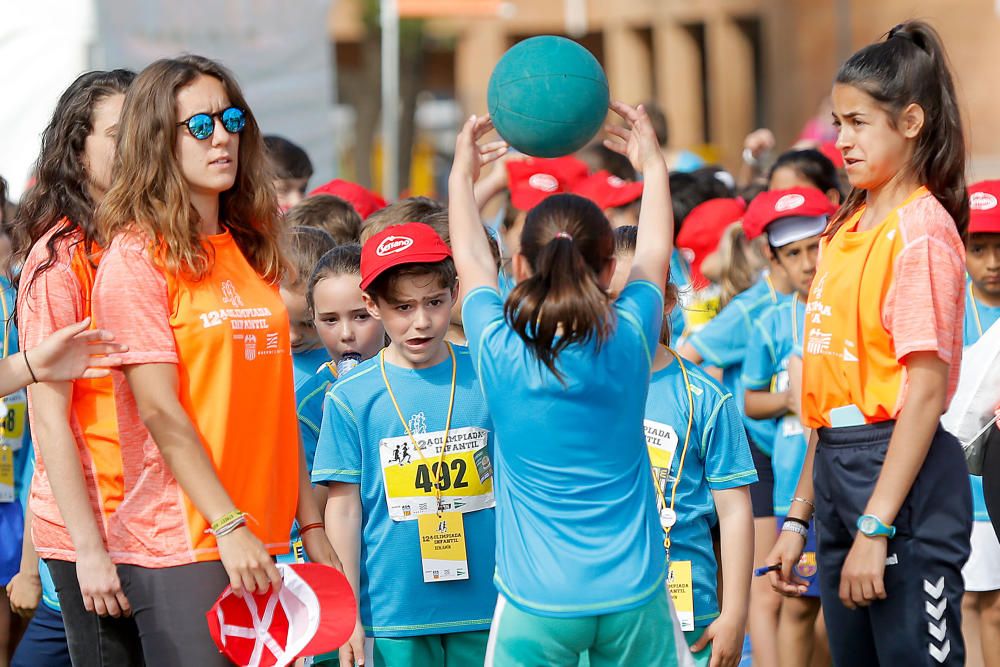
{"x": 306, "y": 364}
{"x": 358, "y": 416}
{"x": 723, "y": 344}
{"x": 978, "y": 318}
{"x": 717, "y": 458}
{"x": 310, "y": 397}
{"x": 577, "y": 530}
{"x": 771, "y": 343}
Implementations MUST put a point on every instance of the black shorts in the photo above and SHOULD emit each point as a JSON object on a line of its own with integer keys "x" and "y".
{"x": 762, "y": 491}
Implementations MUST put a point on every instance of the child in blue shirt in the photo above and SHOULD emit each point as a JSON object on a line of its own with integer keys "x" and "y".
{"x": 306, "y": 246}
{"x": 793, "y": 221}
{"x": 565, "y": 370}
{"x": 412, "y": 516}
{"x": 981, "y": 605}
{"x": 702, "y": 469}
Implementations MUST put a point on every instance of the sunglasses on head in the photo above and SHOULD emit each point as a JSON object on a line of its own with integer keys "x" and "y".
{"x": 202, "y": 125}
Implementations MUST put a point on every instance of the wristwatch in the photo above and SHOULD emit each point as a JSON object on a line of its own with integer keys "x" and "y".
{"x": 872, "y": 526}
{"x": 796, "y": 526}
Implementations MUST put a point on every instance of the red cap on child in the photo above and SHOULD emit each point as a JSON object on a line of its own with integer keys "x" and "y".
{"x": 984, "y": 208}
{"x": 807, "y": 209}
{"x": 365, "y": 202}
{"x": 607, "y": 190}
{"x": 531, "y": 181}
{"x": 409, "y": 243}
{"x": 703, "y": 229}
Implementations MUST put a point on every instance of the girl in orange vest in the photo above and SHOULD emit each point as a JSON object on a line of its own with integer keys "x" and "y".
{"x": 882, "y": 347}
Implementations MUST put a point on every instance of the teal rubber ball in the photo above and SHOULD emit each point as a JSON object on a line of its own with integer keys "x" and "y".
{"x": 548, "y": 96}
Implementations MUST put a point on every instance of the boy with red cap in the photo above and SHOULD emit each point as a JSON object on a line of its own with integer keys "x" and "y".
{"x": 981, "y": 604}
{"x": 794, "y": 221}
{"x": 406, "y": 450}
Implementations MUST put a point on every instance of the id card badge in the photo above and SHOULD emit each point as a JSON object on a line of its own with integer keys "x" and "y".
{"x": 442, "y": 547}
{"x": 681, "y": 589}
{"x": 12, "y": 419}
{"x": 6, "y": 474}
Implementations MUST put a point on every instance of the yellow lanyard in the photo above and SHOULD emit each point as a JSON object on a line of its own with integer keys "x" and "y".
{"x": 439, "y": 473}
{"x": 770, "y": 288}
{"x": 669, "y": 509}
{"x": 975, "y": 311}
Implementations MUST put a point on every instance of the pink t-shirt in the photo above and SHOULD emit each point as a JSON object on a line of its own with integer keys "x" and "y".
{"x": 58, "y": 297}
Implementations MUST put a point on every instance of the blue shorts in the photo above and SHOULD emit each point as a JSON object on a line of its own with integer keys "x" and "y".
{"x": 807, "y": 567}
{"x": 44, "y": 642}
{"x": 11, "y": 532}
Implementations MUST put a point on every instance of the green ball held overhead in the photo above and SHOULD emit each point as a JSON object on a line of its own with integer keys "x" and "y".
{"x": 548, "y": 96}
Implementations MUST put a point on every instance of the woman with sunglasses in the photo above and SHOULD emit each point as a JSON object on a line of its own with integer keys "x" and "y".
{"x": 212, "y": 463}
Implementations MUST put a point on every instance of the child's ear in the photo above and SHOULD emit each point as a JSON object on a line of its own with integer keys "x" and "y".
{"x": 371, "y": 306}
{"x": 912, "y": 121}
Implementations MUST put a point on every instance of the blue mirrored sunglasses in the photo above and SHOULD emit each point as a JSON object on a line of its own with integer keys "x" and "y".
{"x": 202, "y": 125}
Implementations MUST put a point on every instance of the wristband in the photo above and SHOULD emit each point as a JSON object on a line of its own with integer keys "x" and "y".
{"x": 310, "y": 526}
{"x": 230, "y": 527}
{"x": 795, "y": 526}
{"x": 801, "y": 522}
{"x": 224, "y": 520}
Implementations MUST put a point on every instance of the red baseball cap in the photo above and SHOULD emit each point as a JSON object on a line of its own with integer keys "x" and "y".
{"x": 607, "y": 190}
{"x": 804, "y": 212}
{"x": 314, "y": 612}
{"x": 409, "y": 243}
{"x": 703, "y": 229}
{"x": 984, "y": 207}
{"x": 531, "y": 181}
{"x": 365, "y": 202}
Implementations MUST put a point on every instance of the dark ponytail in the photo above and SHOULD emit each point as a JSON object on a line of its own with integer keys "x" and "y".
{"x": 567, "y": 241}
{"x": 911, "y": 67}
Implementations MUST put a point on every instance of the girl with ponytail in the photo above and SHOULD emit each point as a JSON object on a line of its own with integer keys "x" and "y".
{"x": 565, "y": 370}
{"x": 882, "y": 348}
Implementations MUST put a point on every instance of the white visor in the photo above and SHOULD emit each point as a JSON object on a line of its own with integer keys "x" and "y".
{"x": 783, "y": 231}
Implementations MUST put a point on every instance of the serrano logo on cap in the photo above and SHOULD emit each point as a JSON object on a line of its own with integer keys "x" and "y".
{"x": 982, "y": 201}
{"x": 393, "y": 244}
{"x": 616, "y": 182}
{"x": 544, "y": 182}
{"x": 789, "y": 202}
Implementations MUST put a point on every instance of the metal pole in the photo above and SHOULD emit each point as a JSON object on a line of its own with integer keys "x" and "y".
{"x": 389, "y": 18}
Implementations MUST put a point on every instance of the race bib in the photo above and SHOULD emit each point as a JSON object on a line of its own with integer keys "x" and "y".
{"x": 410, "y": 477}
{"x": 681, "y": 589}
{"x": 6, "y": 474}
{"x": 661, "y": 442}
{"x": 442, "y": 547}
{"x": 699, "y": 308}
{"x": 12, "y": 419}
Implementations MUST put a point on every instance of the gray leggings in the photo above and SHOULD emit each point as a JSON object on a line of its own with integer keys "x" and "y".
{"x": 169, "y": 606}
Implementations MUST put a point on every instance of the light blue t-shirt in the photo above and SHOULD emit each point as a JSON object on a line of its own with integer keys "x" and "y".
{"x": 979, "y": 317}
{"x": 723, "y": 344}
{"x": 680, "y": 275}
{"x": 718, "y": 457}
{"x": 358, "y": 415}
{"x": 771, "y": 343}
{"x": 310, "y": 397}
{"x": 306, "y": 364}
{"x": 577, "y": 530}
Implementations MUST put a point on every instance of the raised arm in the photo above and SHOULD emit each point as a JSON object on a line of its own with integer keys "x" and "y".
{"x": 473, "y": 258}
{"x": 656, "y": 220}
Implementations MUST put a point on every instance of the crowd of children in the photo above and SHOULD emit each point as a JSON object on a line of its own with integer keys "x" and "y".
{"x": 605, "y": 409}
